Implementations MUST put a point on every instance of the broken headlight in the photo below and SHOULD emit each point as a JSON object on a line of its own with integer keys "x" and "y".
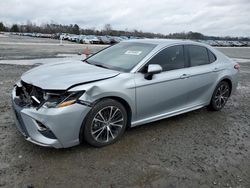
{"x": 58, "y": 100}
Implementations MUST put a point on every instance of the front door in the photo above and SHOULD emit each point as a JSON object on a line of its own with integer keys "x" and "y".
{"x": 165, "y": 92}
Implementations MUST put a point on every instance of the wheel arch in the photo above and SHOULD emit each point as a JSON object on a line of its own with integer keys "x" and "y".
{"x": 119, "y": 99}
{"x": 124, "y": 103}
{"x": 226, "y": 79}
{"x": 229, "y": 81}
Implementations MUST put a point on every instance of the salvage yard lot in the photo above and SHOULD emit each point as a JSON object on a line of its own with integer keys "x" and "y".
{"x": 196, "y": 149}
{"x": 21, "y": 47}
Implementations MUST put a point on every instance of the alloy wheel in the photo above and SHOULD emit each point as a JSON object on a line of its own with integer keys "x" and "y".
{"x": 107, "y": 124}
{"x": 222, "y": 95}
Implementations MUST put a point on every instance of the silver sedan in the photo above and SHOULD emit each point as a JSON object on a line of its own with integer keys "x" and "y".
{"x": 132, "y": 83}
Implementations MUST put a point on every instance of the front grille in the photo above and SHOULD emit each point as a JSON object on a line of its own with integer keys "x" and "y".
{"x": 25, "y": 93}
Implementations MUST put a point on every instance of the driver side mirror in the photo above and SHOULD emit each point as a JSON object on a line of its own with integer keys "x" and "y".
{"x": 152, "y": 69}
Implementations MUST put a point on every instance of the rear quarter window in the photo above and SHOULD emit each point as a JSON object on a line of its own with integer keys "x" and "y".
{"x": 212, "y": 57}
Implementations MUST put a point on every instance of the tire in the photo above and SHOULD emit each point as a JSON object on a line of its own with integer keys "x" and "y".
{"x": 102, "y": 128}
{"x": 220, "y": 96}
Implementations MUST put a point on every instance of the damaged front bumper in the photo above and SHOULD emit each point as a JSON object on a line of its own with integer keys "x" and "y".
{"x": 50, "y": 127}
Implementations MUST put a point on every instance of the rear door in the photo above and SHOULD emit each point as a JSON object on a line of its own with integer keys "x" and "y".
{"x": 203, "y": 74}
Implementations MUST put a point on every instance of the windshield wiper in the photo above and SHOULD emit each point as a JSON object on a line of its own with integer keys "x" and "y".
{"x": 98, "y": 65}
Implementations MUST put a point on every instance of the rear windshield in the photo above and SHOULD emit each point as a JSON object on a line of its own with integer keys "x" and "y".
{"x": 123, "y": 56}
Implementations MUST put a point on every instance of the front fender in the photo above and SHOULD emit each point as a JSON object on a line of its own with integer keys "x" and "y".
{"x": 122, "y": 87}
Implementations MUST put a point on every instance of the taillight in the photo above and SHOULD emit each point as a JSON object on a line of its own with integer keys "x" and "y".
{"x": 237, "y": 66}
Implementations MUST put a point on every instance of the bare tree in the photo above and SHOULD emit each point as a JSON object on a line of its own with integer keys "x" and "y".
{"x": 107, "y": 29}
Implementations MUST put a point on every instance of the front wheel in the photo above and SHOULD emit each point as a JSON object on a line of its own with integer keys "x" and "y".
{"x": 105, "y": 123}
{"x": 220, "y": 96}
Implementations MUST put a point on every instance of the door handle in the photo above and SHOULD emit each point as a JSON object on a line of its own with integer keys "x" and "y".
{"x": 216, "y": 69}
{"x": 184, "y": 76}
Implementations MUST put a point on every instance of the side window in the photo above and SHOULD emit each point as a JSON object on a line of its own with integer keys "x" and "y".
{"x": 212, "y": 57}
{"x": 170, "y": 58}
{"x": 198, "y": 55}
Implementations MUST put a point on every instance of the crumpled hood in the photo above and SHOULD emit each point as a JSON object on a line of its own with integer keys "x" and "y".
{"x": 61, "y": 76}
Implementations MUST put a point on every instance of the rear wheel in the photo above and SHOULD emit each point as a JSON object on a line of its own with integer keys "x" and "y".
{"x": 220, "y": 96}
{"x": 106, "y": 123}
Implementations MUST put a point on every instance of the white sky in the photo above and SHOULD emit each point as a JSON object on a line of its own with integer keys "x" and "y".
{"x": 210, "y": 17}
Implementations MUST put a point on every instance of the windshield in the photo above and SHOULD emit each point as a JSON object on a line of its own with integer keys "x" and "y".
{"x": 122, "y": 57}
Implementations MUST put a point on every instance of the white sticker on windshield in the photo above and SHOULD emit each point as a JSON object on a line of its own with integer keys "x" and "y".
{"x": 129, "y": 52}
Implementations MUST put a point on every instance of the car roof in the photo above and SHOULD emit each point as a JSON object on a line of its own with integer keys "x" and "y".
{"x": 164, "y": 42}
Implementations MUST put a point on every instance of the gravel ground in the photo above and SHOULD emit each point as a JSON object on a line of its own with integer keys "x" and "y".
{"x": 196, "y": 149}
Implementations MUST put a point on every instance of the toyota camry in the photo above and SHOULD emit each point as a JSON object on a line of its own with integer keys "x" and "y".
{"x": 128, "y": 84}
